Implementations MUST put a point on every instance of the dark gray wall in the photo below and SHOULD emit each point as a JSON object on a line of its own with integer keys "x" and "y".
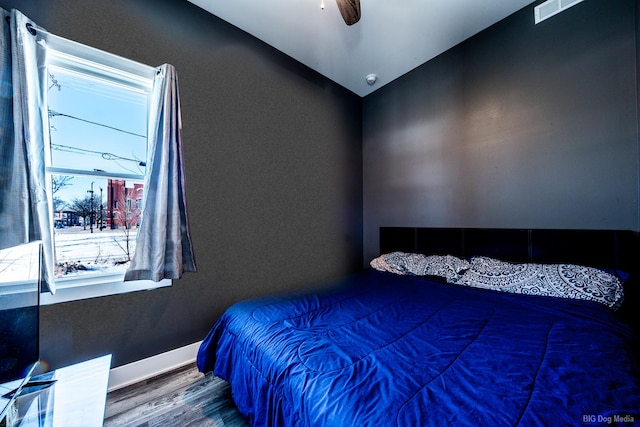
{"x": 273, "y": 165}
{"x": 523, "y": 125}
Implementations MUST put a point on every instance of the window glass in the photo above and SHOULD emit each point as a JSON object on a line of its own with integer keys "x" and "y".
{"x": 92, "y": 233}
{"x": 96, "y": 125}
{"x": 96, "y": 162}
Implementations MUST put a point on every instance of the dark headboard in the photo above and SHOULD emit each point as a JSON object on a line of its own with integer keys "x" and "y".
{"x": 611, "y": 249}
{"x": 608, "y": 249}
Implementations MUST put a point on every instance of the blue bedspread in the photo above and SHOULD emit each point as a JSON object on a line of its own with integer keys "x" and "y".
{"x": 388, "y": 350}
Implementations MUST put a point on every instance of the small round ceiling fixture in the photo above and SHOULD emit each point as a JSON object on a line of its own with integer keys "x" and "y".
{"x": 371, "y": 79}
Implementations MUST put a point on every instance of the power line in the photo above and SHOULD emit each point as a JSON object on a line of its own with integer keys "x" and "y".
{"x": 55, "y": 113}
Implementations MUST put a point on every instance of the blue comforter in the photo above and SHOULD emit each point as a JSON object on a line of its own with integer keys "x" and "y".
{"x": 388, "y": 350}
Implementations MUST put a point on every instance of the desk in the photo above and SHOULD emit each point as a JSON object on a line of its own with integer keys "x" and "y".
{"x": 75, "y": 398}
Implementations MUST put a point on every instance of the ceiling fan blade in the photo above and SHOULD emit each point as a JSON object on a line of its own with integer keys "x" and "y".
{"x": 350, "y": 10}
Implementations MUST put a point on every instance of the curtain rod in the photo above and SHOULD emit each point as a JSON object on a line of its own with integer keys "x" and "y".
{"x": 29, "y": 26}
{"x": 32, "y": 30}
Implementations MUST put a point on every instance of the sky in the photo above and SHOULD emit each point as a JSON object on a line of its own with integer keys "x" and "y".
{"x": 95, "y": 125}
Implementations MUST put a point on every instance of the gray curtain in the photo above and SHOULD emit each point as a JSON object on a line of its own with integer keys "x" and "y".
{"x": 163, "y": 246}
{"x": 24, "y": 207}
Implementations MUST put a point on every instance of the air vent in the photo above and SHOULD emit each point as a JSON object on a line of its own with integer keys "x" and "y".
{"x": 552, "y": 7}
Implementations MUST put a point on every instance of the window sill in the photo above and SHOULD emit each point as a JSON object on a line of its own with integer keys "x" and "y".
{"x": 75, "y": 289}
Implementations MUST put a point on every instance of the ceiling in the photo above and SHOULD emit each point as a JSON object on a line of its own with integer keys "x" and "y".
{"x": 391, "y": 38}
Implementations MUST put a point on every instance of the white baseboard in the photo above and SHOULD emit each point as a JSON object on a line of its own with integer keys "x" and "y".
{"x": 150, "y": 367}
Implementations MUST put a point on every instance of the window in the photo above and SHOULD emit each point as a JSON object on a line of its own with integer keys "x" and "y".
{"x": 96, "y": 157}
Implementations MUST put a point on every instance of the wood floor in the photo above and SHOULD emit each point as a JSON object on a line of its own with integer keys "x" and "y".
{"x": 181, "y": 398}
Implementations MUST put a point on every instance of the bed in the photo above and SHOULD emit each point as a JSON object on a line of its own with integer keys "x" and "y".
{"x": 389, "y": 347}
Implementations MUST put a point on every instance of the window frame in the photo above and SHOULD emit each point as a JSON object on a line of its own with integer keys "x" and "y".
{"x": 73, "y": 56}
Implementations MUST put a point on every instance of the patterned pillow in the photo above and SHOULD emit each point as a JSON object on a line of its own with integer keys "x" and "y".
{"x": 380, "y": 264}
{"x": 557, "y": 280}
{"x": 446, "y": 266}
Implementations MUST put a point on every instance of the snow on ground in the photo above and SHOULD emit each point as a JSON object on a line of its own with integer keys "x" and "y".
{"x": 78, "y": 250}
{"x": 103, "y": 250}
